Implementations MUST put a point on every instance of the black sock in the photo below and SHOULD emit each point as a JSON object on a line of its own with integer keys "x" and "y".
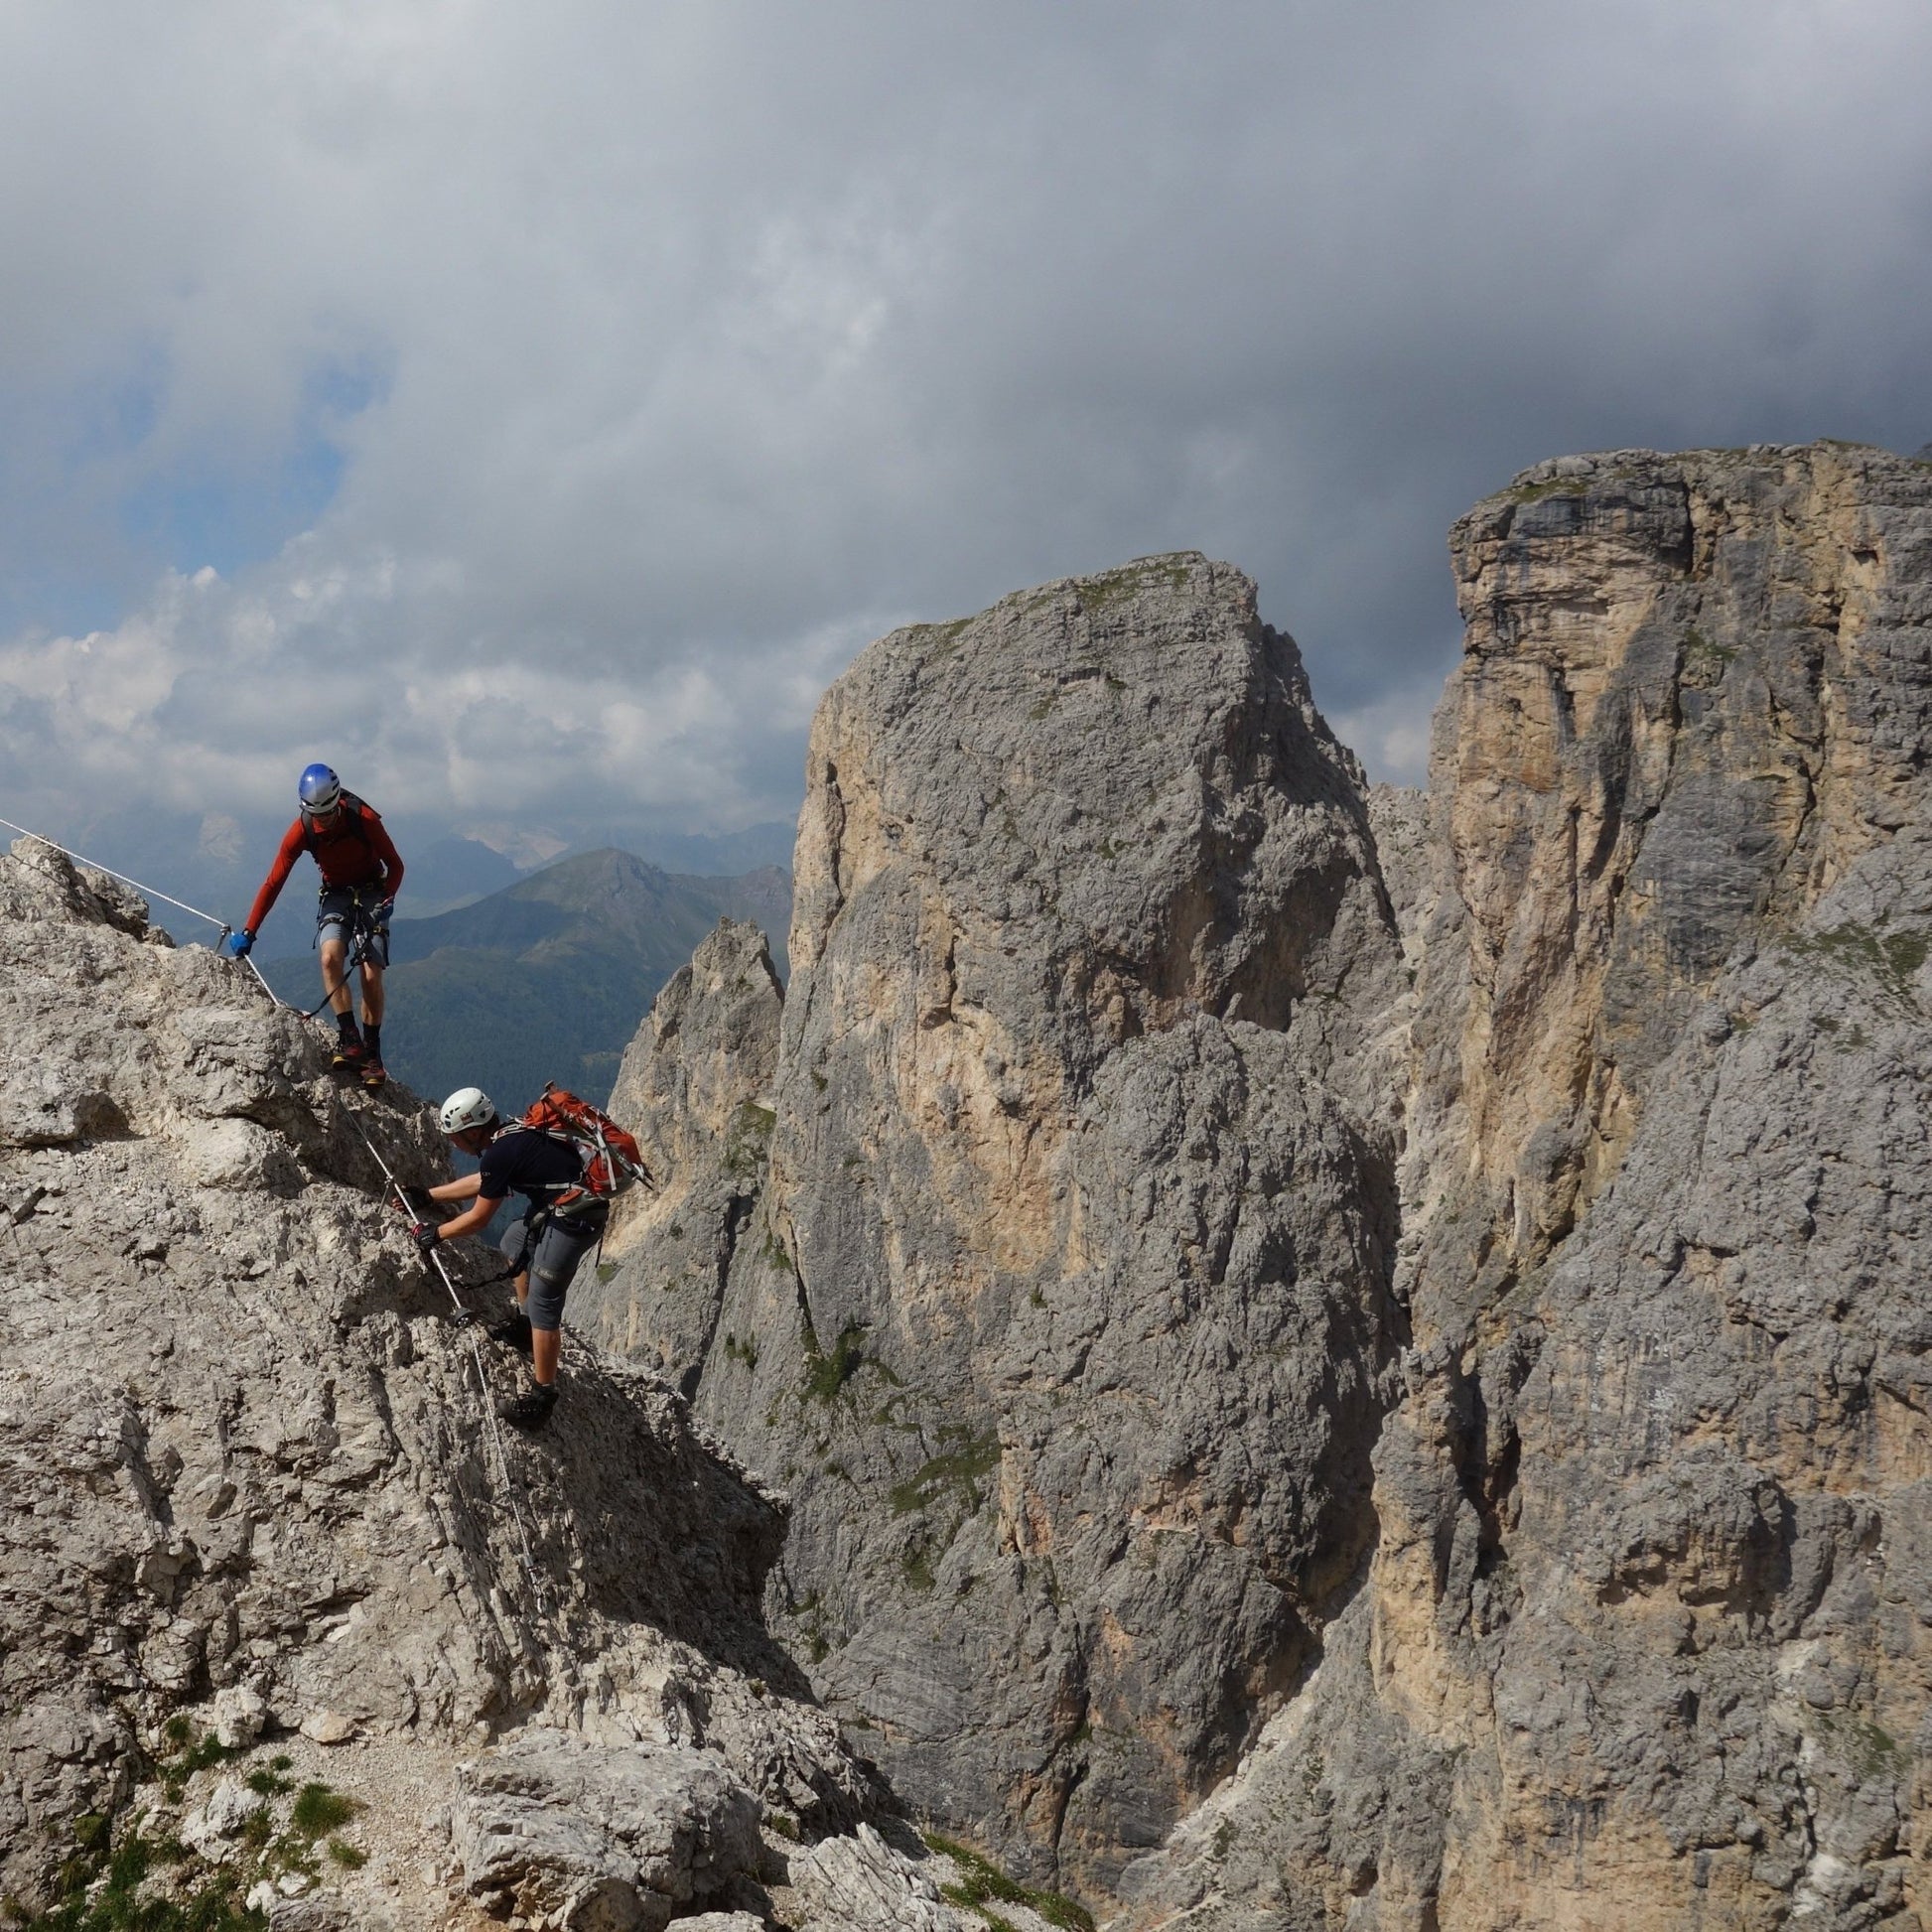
{"x": 372, "y": 1035}
{"x": 345, "y": 1025}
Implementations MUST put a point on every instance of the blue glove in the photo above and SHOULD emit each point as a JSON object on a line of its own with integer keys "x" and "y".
{"x": 239, "y": 943}
{"x": 384, "y": 913}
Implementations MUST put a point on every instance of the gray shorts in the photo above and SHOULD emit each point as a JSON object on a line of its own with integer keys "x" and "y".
{"x": 553, "y": 1258}
{"x": 343, "y": 908}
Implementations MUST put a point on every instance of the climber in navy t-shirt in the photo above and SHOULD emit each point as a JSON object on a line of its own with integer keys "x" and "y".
{"x": 518, "y": 1161}
{"x": 544, "y": 1248}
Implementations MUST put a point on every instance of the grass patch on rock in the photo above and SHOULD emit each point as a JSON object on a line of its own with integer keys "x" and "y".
{"x": 122, "y": 1875}
{"x": 1534, "y": 492}
{"x": 1892, "y": 956}
{"x": 981, "y": 1881}
{"x": 826, "y": 1375}
{"x": 958, "y": 1470}
{"x": 183, "y": 1755}
{"x": 747, "y": 1137}
{"x": 1132, "y": 581}
{"x": 318, "y": 1811}
{"x": 939, "y": 639}
{"x": 104, "y": 1888}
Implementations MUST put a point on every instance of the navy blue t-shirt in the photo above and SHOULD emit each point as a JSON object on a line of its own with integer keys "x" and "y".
{"x": 521, "y": 1162}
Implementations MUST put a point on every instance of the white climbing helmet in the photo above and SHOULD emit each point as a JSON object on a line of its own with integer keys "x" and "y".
{"x": 465, "y": 1108}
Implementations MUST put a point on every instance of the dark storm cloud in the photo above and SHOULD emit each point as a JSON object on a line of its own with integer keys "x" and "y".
{"x": 658, "y": 357}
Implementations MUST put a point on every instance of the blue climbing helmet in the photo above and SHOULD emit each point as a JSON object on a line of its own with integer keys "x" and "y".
{"x": 320, "y": 791}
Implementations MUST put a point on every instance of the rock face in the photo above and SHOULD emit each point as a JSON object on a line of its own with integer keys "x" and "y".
{"x": 1645, "y": 1639}
{"x": 1690, "y": 697}
{"x": 1064, "y": 1312}
{"x": 554, "y": 1827}
{"x": 697, "y": 1089}
{"x": 251, "y": 1491}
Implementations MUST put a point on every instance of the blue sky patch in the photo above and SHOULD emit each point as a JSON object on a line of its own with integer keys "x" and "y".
{"x": 229, "y": 513}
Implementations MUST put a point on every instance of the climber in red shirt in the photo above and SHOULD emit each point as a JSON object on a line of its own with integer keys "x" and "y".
{"x": 360, "y": 876}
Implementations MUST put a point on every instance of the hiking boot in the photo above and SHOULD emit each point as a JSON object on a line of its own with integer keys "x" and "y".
{"x": 514, "y": 1331}
{"x": 350, "y": 1052}
{"x": 374, "y": 1071}
{"x": 531, "y": 1410}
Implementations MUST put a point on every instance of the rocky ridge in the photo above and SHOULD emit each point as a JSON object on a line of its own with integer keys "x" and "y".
{"x": 1395, "y": 1320}
{"x": 258, "y": 1532}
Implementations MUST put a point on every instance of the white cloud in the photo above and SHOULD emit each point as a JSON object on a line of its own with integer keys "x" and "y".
{"x": 670, "y": 350}
{"x": 216, "y": 691}
{"x": 1391, "y": 734}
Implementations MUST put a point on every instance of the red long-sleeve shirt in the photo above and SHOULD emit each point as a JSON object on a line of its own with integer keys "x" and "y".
{"x": 353, "y": 849}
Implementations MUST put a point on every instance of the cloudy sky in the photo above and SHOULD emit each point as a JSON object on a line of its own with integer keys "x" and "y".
{"x": 530, "y": 408}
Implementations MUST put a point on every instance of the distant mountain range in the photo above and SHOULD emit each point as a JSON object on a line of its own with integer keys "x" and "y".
{"x": 548, "y": 978}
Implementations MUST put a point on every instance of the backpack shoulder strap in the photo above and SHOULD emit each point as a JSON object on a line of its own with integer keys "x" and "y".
{"x": 562, "y": 1136}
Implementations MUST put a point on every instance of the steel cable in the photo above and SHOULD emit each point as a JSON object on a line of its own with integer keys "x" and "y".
{"x": 95, "y": 865}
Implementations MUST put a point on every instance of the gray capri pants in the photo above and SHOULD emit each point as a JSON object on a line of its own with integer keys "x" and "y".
{"x": 552, "y": 1253}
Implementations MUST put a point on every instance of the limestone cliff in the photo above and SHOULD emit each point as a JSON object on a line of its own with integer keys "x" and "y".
{"x": 1691, "y": 696}
{"x": 697, "y": 1089}
{"x": 1644, "y": 1642}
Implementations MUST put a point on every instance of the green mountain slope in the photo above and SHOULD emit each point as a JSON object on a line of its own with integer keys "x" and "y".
{"x": 547, "y": 979}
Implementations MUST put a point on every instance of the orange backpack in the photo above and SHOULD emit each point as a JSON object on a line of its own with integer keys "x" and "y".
{"x": 613, "y": 1158}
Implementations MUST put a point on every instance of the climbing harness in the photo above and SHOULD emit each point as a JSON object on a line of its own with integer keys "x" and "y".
{"x": 465, "y": 1319}
{"x": 363, "y": 928}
